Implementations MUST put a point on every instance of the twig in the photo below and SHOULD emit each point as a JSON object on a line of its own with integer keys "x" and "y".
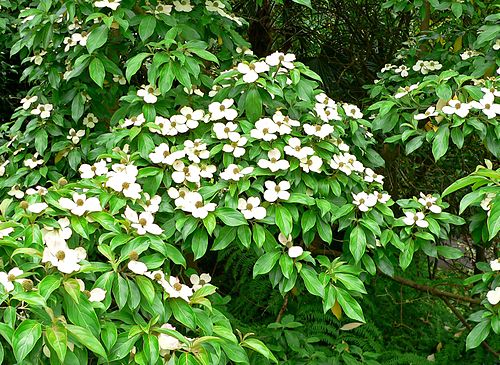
{"x": 283, "y": 308}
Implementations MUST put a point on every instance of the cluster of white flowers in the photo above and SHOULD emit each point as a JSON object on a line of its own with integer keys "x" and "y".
{"x": 57, "y": 252}
{"x": 191, "y": 202}
{"x": 122, "y": 178}
{"x": 425, "y": 66}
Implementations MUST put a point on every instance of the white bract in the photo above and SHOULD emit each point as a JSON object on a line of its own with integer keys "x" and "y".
{"x": 493, "y": 296}
{"x": 90, "y": 120}
{"x": 222, "y": 110}
{"x": 295, "y": 149}
{"x": 274, "y": 163}
{"x": 97, "y": 169}
{"x": 252, "y": 70}
{"x": 137, "y": 267}
{"x": 415, "y": 218}
{"x": 143, "y": 222}
{"x": 176, "y": 289}
{"x": 311, "y": 163}
{"x": 4, "y": 232}
{"x": 265, "y": 129}
{"x": 149, "y": 93}
{"x": 235, "y": 173}
{"x": 74, "y": 135}
{"x": 162, "y": 154}
{"x": 183, "y": 5}
{"x": 42, "y": 110}
{"x": 166, "y": 342}
{"x": 278, "y": 58}
{"x": 428, "y": 201}
{"x": 293, "y": 251}
{"x": 27, "y": 101}
{"x": 151, "y": 203}
{"x": 402, "y": 70}
{"x": 495, "y": 265}
{"x": 251, "y": 209}
{"x": 37, "y": 207}
{"x": 199, "y": 282}
{"x": 97, "y": 295}
{"x": 405, "y": 90}
{"x": 352, "y": 111}
{"x": 318, "y": 130}
{"x": 364, "y": 201}
{"x": 430, "y": 112}
{"x": 225, "y": 131}
{"x": 80, "y": 204}
{"x": 65, "y": 259}
{"x": 457, "y": 107}
{"x": 112, "y": 4}
{"x": 487, "y": 105}
{"x": 372, "y": 176}
{"x": 276, "y": 191}
{"x": 236, "y": 145}
{"x": 7, "y": 279}
{"x": 184, "y": 173}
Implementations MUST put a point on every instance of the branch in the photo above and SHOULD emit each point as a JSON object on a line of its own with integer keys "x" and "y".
{"x": 283, "y": 309}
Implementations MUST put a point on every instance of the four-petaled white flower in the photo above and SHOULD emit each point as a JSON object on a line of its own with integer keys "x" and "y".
{"x": 27, "y": 101}
{"x": 493, "y": 296}
{"x": 81, "y": 204}
{"x": 295, "y": 149}
{"x": 265, "y": 129}
{"x": 120, "y": 79}
{"x": 318, "y": 130}
{"x": 7, "y": 279}
{"x": 97, "y": 295}
{"x": 430, "y": 112}
{"x": 495, "y": 265}
{"x": 90, "y": 120}
{"x": 222, "y": 110}
{"x": 352, "y": 111}
{"x": 457, "y": 107}
{"x": 193, "y": 117}
{"x": 372, "y": 176}
{"x": 134, "y": 121}
{"x": 112, "y": 4}
{"x": 225, "y": 131}
{"x": 215, "y": 6}
{"x": 151, "y": 204}
{"x": 274, "y": 163}
{"x": 65, "y": 259}
{"x": 428, "y": 201}
{"x": 276, "y": 191}
{"x": 284, "y": 60}
{"x": 33, "y": 161}
{"x": 405, "y": 90}
{"x": 199, "y": 281}
{"x": 183, "y": 5}
{"x": 234, "y": 172}
{"x": 252, "y": 70}
{"x": 236, "y": 144}
{"x": 311, "y": 163}
{"x": 403, "y": 70}
{"x": 251, "y": 209}
{"x": 52, "y": 235}
{"x": 293, "y": 251}
{"x": 183, "y": 173}
{"x": 149, "y": 93}
{"x": 143, "y": 222}
{"x": 469, "y": 54}
{"x": 162, "y": 154}
{"x": 415, "y": 218}
{"x": 97, "y": 169}
{"x": 75, "y": 136}
{"x": 381, "y": 197}
{"x": 327, "y": 113}
{"x": 196, "y": 150}
{"x": 284, "y": 123}
{"x": 364, "y": 201}
{"x": 487, "y": 105}
{"x": 175, "y": 289}
{"x": 43, "y": 110}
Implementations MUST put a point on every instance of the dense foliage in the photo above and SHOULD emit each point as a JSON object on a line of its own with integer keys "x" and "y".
{"x": 169, "y": 197}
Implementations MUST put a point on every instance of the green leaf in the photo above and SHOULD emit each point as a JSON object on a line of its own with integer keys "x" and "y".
{"x": 57, "y": 337}
{"x": 199, "y": 243}
{"x": 265, "y": 263}
{"x": 311, "y": 281}
{"x": 357, "y": 243}
{"x": 204, "y": 54}
{"x": 494, "y": 219}
{"x": 414, "y": 144}
{"x": 260, "y": 347}
{"x": 461, "y": 183}
{"x": 253, "y": 105}
{"x": 77, "y": 107}
{"x": 449, "y": 252}
{"x": 146, "y": 287}
{"x": 134, "y": 64}
{"x": 97, "y": 38}
{"x": 350, "y": 306}
{"x": 109, "y": 334}
{"x": 230, "y": 217}
{"x": 86, "y": 338}
{"x": 48, "y": 285}
{"x": 224, "y": 238}
{"x": 441, "y": 142}
{"x": 478, "y": 334}
{"x": 284, "y": 220}
{"x": 444, "y": 92}
{"x": 183, "y": 312}
{"x": 245, "y": 235}
{"x": 96, "y": 71}
{"x": 25, "y": 338}
{"x": 41, "y": 141}
{"x": 303, "y": 2}
{"x": 147, "y": 27}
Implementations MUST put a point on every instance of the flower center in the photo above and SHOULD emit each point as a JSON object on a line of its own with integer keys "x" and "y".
{"x": 60, "y": 255}
{"x": 177, "y": 286}
{"x": 166, "y": 153}
{"x": 143, "y": 222}
{"x": 157, "y": 276}
{"x": 198, "y": 204}
{"x": 249, "y": 206}
{"x": 125, "y": 185}
{"x": 222, "y": 108}
{"x": 487, "y": 106}
{"x": 277, "y": 189}
{"x": 458, "y": 106}
{"x": 236, "y": 170}
{"x": 79, "y": 202}
{"x": 11, "y": 277}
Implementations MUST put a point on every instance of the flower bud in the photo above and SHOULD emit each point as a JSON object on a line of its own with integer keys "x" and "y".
{"x": 62, "y": 181}
{"x": 24, "y": 204}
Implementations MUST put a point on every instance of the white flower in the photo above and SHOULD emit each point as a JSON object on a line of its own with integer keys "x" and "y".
{"x": 318, "y": 130}
{"x": 122, "y": 179}
{"x": 143, "y": 223}
{"x": 327, "y": 113}
{"x": 340, "y": 144}
{"x": 251, "y": 71}
{"x": 90, "y": 120}
{"x": 236, "y": 145}
{"x": 183, "y": 173}
{"x": 295, "y": 149}
{"x": 244, "y": 50}
{"x": 216, "y": 7}
{"x": 428, "y": 202}
{"x": 135, "y": 121}
{"x": 276, "y": 191}
{"x": 37, "y": 207}
{"x": 112, "y": 4}
{"x": 120, "y": 79}
{"x": 352, "y": 111}
{"x": 486, "y": 202}
{"x": 181, "y": 196}
{"x": 415, "y": 218}
{"x": 97, "y": 295}
{"x": 491, "y": 90}
{"x": 372, "y": 176}
{"x": 2, "y": 167}
{"x": 403, "y": 70}
{"x": 234, "y": 172}
{"x": 278, "y": 58}
{"x": 425, "y": 66}
{"x": 80, "y": 38}
{"x": 28, "y": 100}
{"x": 16, "y": 192}
{"x": 137, "y": 267}
{"x": 43, "y": 110}
{"x": 364, "y": 201}
{"x": 52, "y": 236}
{"x": 265, "y": 129}
{"x": 457, "y": 107}
{"x": 151, "y": 203}
{"x": 193, "y": 90}
{"x": 311, "y": 163}
{"x": 284, "y": 123}
{"x": 199, "y": 281}
{"x": 207, "y": 171}
{"x": 487, "y": 105}
{"x": 225, "y": 131}
{"x": 274, "y": 163}
{"x": 149, "y": 93}
{"x": 293, "y": 251}
{"x": 193, "y": 117}
{"x": 6, "y": 231}
{"x": 193, "y": 203}
{"x": 405, "y": 90}
{"x": 496, "y": 46}
{"x": 222, "y": 110}
{"x": 387, "y": 67}
{"x": 65, "y": 259}
{"x": 75, "y": 136}
{"x": 495, "y": 265}
{"x": 183, "y": 5}
{"x": 339, "y": 162}
{"x": 162, "y": 154}
{"x": 7, "y": 279}
{"x": 250, "y": 208}
{"x": 80, "y": 204}
{"x": 167, "y": 342}
{"x": 177, "y": 290}
{"x": 430, "y": 112}
{"x": 493, "y": 296}
{"x": 40, "y": 190}
{"x": 324, "y": 100}
{"x": 196, "y": 150}
{"x": 381, "y": 197}
{"x": 97, "y": 169}
{"x": 468, "y": 54}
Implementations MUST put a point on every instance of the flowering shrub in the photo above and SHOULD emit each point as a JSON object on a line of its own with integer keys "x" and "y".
{"x": 152, "y": 136}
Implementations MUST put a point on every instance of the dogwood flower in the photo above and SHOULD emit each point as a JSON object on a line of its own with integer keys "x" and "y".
{"x": 236, "y": 145}
{"x": 405, "y": 90}
{"x": 325, "y": 100}
{"x": 112, "y": 4}
{"x": 151, "y": 204}
{"x": 7, "y": 279}
{"x": 495, "y": 265}
{"x": 80, "y": 204}
{"x": 193, "y": 117}
{"x": 137, "y": 267}
{"x": 16, "y": 192}
{"x": 235, "y": 173}
{"x": 175, "y": 289}
{"x": 52, "y": 235}
{"x": 74, "y": 135}
{"x": 274, "y": 163}
{"x": 352, "y": 111}
{"x": 40, "y": 190}
{"x": 493, "y": 296}
{"x": 295, "y": 149}
{"x": 183, "y": 173}
{"x": 251, "y": 209}
{"x": 6, "y": 231}
{"x": 293, "y": 251}
{"x": 457, "y": 107}
{"x": 97, "y": 295}
{"x": 27, "y": 101}
{"x": 162, "y": 154}
{"x": 183, "y": 5}
{"x": 415, "y": 218}
{"x": 278, "y": 58}
{"x": 430, "y": 112}
{"x": 486, "y": 202}
{"x": 149, "y": 93}
{"x": 196, "y": 150}
{"x": 372, "y": 176}
{"x": 120, "y": 79}
{"x": 222, "y": 110}
{"x": 284, "y": 123}
{"x": 311, "y": 163}
{"x": 327, "y": 113}
{"x": 43, "y": 110}
{"x": 65, "y": 259}
{"x": 136, "y": 121}
{"x": 143, "y": 222}
{"x": 199, "y": 282}
{"x": 166, "y": 342}
{"x": 469, "y": 54}
{"x": 37, "y": 207}
{"x": 403, "y": 70}
{"x": 428, "y": 202}
{"x": 252, "y": 70}
{"x": 123, "y": 179}
{"x": 225, "y": 131}
{"x": 207, "y": 171}
{"x": 381, "y": 197}
{"x": 318, "y": 130}
{"x": 265, "y": 129}
{"x": 276, "y": 191}
{"x": 487, "y": 105}
{"x": 90, "y": 120}
{"x": 80, "y": 38}
{"x": 491, "y": 90}
{"x": 97, "y": 169}
{"x": 364, "y": 201}
{"x": 214, "y": 6}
